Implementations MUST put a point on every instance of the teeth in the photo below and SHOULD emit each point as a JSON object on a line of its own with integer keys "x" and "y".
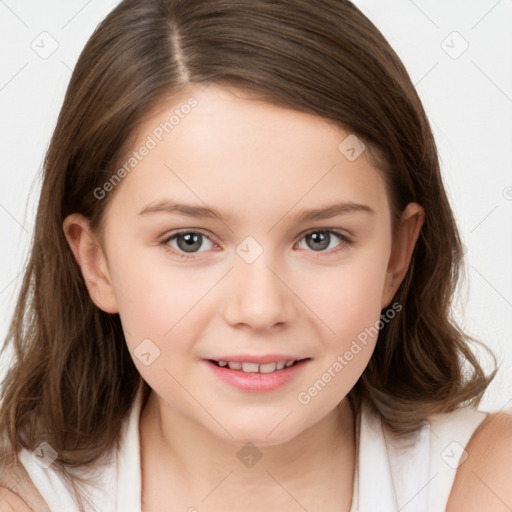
{"x": 250, "y": 367}
{"x": 268, "y": 368}
{"x": 255, "y": 367}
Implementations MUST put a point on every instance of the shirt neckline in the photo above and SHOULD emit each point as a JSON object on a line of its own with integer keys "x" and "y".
{"x": 129, "y": 478}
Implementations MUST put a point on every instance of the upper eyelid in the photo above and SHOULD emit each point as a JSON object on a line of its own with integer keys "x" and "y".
{"x": 173, "y": 234}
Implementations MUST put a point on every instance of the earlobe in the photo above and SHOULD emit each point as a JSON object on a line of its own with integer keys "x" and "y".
{"x": 90, "y": 257}
{"x": 406, "y": 236}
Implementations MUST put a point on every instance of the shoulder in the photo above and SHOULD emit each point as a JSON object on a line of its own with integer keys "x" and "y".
{"x": 10, "y": 475}
{"x": 11, "y": 502}
{"x": 482, "y": 481}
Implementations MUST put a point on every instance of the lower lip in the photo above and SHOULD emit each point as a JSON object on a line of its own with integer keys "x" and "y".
{"x": 258, "y": 382}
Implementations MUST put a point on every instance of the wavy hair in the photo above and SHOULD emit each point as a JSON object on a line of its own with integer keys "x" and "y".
{"x": 72, "y": 380}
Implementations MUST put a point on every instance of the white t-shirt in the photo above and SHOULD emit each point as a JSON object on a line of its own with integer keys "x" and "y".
{"x": 388, "y": 478}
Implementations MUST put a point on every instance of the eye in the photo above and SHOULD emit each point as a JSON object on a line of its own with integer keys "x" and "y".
{"x": 187, "y": 242}
{"x": 320, "y": 240}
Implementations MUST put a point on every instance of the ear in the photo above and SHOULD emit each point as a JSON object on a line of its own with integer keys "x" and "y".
{"x": 407, "y": 232}
{"x": 92, "y": 261}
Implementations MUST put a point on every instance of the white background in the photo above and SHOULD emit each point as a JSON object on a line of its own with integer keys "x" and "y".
{"x": 467, "y": 96}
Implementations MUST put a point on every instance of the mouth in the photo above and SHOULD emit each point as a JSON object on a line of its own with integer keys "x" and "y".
{"x": 259, "y": 374}
{"x": 252, "y": 367}
{"x": 262, "y": 374}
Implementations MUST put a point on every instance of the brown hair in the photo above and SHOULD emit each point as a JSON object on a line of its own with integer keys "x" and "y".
{"x": 72, "y": 369}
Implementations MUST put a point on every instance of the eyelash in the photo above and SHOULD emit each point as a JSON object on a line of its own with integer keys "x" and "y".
{"x": 344, "y": 245}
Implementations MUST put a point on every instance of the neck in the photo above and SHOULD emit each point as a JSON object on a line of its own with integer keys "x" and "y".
{"x": 183, "y": 452}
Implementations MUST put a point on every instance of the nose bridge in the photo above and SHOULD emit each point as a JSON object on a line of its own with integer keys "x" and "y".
{"x": 257, "y": 297}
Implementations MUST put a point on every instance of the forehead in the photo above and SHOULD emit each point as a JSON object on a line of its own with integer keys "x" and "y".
{"x": 245, "y": 157}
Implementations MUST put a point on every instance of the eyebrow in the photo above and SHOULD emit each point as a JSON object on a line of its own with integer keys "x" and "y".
{"x": 197, "y": 211}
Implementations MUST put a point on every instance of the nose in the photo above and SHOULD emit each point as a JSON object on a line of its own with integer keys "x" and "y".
{"x": 257, "y": 296}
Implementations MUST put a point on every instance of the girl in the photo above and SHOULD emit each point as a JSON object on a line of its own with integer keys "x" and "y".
{"x": 239, "y": 287}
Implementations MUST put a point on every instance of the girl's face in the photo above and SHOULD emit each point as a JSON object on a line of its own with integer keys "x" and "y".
{"x": 245, "y": 232}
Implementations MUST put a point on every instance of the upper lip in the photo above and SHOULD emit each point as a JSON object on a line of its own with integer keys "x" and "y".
{"x": 261, "y": 359}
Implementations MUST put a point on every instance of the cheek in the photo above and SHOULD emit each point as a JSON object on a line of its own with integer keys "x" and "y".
{"x": 156, "y": 301}
{"x": 347, "y": 297}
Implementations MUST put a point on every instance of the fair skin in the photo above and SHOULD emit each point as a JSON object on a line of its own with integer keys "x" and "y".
{"x": 261, "y": 165}
{"x": 482, "y": 482}
{"x": 254, "y": 162}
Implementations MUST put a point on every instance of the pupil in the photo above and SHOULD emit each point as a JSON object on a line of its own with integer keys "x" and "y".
{"x": 192, "y": 241}
{"x": 320, "y": 240}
